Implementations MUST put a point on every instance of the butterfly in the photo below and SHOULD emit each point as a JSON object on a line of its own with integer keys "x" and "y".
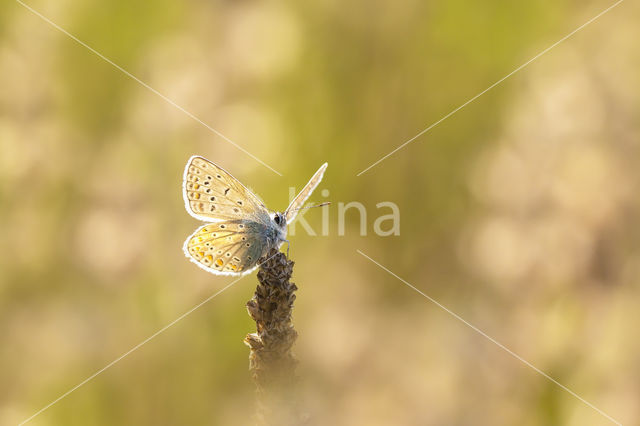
{"x": 239, "y": 229}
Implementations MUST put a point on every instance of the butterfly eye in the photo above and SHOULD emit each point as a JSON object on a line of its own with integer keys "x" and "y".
{"x": 277, "y": 219}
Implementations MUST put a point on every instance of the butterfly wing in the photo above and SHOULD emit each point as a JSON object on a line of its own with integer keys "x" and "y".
{"x": 227, "y": 247}
{"x": 292, "y": 210}
{"x": 212, "y": 194}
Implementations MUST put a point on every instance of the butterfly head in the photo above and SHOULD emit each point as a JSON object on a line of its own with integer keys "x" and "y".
{"x": 280, "y": 220}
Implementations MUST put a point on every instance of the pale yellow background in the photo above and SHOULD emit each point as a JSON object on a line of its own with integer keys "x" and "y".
{"x": 520, "y": 212}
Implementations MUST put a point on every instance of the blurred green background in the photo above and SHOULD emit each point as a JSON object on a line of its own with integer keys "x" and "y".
{"x": 519, "y": 213}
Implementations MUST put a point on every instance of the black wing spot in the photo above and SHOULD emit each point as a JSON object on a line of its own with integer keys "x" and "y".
{"x": 239, "y": 202}
{"x": 225, "y": 191}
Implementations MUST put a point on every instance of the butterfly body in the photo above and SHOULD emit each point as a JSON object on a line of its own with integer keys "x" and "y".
{"x": 239, "y": 229}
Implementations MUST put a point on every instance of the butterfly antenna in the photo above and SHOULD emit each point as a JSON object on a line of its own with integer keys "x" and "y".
{"x": 326, "y": 203}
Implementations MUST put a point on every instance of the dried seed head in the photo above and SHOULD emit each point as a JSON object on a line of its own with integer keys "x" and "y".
{"x": 271, "y": 360}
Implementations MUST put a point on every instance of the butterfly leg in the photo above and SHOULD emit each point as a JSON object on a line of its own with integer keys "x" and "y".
{"x": 288, "y": 244}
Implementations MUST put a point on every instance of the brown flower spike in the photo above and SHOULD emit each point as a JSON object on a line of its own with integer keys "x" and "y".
{"x": 271, "y": 360}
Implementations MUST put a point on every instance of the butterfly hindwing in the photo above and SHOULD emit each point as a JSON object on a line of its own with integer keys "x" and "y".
{"x": 227, "y": 247}
{"x": 212, "y": 193}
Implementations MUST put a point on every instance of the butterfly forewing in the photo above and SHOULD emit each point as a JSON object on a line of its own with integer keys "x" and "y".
{"x": 227, "y": 247}
{"x": 212, "y": 194}
{"x": 297, "y": 202}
